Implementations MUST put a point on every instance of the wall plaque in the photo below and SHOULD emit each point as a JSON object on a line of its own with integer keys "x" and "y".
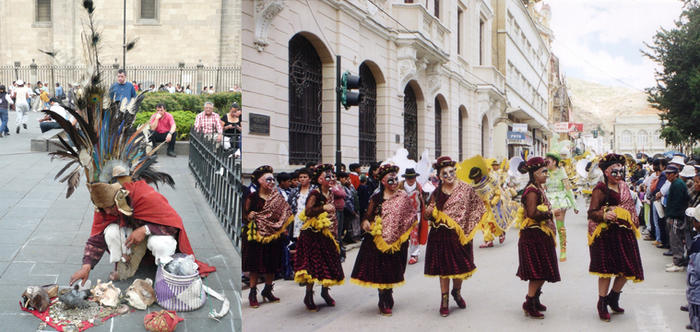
{"x": 259, "y": 124}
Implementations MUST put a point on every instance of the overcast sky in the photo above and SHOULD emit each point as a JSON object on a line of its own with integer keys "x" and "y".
{"x": 600, "y": 40}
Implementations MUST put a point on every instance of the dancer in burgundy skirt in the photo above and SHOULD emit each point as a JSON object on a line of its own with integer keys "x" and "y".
{"x": 612, "y": 232}
{"x": 536, "y": 246}
{"x": 265, "y": 216}
{"x": 318, "y": 254}
{"x": 390, "y": 218}
{"x": 455, "y": 211}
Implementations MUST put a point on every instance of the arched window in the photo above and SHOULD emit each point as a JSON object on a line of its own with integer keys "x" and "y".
{"x": 642, "y": 140}
{"x": 368, "y": 116}
{"x": 410, "y": 122}
{"x": 626, "y": 138}
{"x": 484, "y": 135}
{"x": 438, "y": 128}
{"x": 304, "y": 102}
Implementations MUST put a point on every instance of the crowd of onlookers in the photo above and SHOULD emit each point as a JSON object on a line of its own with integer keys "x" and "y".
{"x": 179, "y": 88}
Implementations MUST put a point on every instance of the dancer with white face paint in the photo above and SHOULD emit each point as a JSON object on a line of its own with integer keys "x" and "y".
{"x": 455, "y": 211}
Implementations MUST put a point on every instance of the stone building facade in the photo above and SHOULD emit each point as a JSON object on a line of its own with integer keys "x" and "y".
{"x": 169, "y": 32}
{"x": 427, "y": 69}
{"x": 638, "y": 133}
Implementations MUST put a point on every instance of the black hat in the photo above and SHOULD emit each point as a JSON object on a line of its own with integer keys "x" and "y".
{"x": 410, "y": 173}
{"x": 341, "y": 174}
{"x": 235, "y": 105}
{"x": 283, "y": 176}
{"x": 260, "y": 171}
{"x": 671, "y": 169}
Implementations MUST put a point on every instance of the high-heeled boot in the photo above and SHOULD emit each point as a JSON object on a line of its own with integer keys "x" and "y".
{"x": 445, "y": 305}
{"x": 539, "y": 306}
{"x": 327, "y": 297}
{"x": 603, "y": 308}
{"x": 309, "y": 301}
{"x": 458, "y": 298}
{"x": 383, "y": 303}
{"x": 614, "y": 302}
{"x": 267, "y": 294}
{"x": 390, "y": 298}
{"x": 562, "y": 240}
{"x": 530, "y": 310}
{"x": 253, "y": 297}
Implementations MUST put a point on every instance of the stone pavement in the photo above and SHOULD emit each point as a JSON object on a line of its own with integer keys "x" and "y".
{"x": 494, "y": 297}
{"x": 42, "y": 235}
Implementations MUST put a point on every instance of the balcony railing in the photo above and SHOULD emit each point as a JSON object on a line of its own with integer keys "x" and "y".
{"x": 417, "y": 19}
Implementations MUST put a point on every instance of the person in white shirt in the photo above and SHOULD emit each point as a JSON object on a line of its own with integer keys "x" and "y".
{"x": 21, "y": 94}
{"x": 5, "y": 102}
{"x": 47, "y": 123}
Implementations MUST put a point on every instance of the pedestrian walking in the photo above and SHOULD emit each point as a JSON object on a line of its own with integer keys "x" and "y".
{"x": 381, "y": 261}
{"x": 266, "y": 216}
{"x": 317, "y": 252}
{"x": 455, "y": 211}
{"x": 536, "y": 246}
{"x": 5, "y": 103}
{"x": 21, "y": 96}
{"x": 612, "y": 227}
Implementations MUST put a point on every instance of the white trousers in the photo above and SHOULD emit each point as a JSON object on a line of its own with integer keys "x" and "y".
{"x": 21, "y": 116}
{"x": 161, "y": 246}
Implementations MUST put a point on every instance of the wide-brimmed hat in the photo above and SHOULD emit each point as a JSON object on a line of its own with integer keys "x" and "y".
{"x": 410, "y": 173}
{"x": 677, "y": 159}
{"x": 534, "y": 163}
{"x": 105, "y": 195}
{"x": 688, "y": 171}
{"x": 19, "y": 82}
{"x": 693, "y": 213}
{"x": 443, "y": 161}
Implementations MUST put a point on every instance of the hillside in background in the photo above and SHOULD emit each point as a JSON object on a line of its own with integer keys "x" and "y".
{"x": 595, "y": 104}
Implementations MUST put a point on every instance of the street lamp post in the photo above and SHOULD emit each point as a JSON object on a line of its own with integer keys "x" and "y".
{"x": 124, "y": 40}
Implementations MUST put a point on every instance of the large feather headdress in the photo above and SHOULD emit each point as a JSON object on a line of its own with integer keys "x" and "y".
{"x": 104, "y": 143}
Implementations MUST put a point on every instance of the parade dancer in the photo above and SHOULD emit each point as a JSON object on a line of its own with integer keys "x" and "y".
{"x": 391, "y": 216}
{"x": 318, "y": 253}
{"x": 419, "y": 235}
{"x": 612, "y": 227}
{"x": 536, "y": 248}
{"x": 455, "y": 211}
{"x": 266, "y": 216}
{"x": 561, "y": 197}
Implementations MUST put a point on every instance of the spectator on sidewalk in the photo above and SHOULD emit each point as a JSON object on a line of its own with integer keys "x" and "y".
{"x": 59, "y": 94}
{"x": 47, "y": 123}
{"x": 693, "y": 278}
{"x": 351, "y": 218}
{"x": 208, "y": 123}
{"x": 21, "y": 96}
{"x": 231, "y": 123}
{"x": 5, "y": 102}
{"x": 121, "y": 89}
{"x": 656, "y": 181}
{"x": 284, "y": 183}
{"x": 339, "y": 203}
{"x": 675, "y": 208}
{"x": 355, "y": 171}
{"x": 163, "y": 129}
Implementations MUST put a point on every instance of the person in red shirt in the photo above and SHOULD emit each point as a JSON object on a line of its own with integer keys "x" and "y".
{"x": 163, "y": 128}
{"x": 355, "y": 172}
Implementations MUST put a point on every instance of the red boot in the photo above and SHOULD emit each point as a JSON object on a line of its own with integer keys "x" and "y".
{"x": 445, "y": 305}
{"x": 384, "y": 308}
{"x": 603, "y": 308}
{"x": 309, "y": 301}
{"x": 539, "y": 306}
{"x": 267, "y": 294}
{"x": 614, "y": 302}
{"x": 458, "y": 298}
{"x": 529, "y": 308}
{"x": 253, "y": 297}
{"x": 327, "y": 297}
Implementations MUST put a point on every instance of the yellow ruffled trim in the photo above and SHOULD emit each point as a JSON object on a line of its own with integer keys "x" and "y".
{"x": 621, "y": 214}
{"x": 319, "y": 224}
{"x": 462, "y": 276}
{"x": 303, "y": 277}
{"x": 376, "y": 231}
{"x": 523, "y": 223}
{"x": 375, "y": 285}
{"x": 443, "y": 220}
{"x": 613, "y": 275}
{"x": 253, "y": 234}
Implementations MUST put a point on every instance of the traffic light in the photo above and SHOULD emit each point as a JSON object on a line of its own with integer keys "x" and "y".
{"x": 347, "y": 96}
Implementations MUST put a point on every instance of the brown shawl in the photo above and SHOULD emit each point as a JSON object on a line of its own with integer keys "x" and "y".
{"x": 397, "y": 218}
{"x": 463, "y": 208}
{"x": 625, "y": 210}
{"x": 273, "y": 219}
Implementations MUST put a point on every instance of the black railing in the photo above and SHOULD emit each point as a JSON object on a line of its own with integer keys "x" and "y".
{"x": 217, "y": 172}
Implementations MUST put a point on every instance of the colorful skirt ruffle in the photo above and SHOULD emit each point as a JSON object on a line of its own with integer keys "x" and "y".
{"x": 538, "y": 256}
{"x": 446, "y": 257}
{"x": 317, "y": 260}
{"x": 261, "y": 257}
{"x": 558, "y": 200}
{"x": 376, "y": 269}
{"x": 615, "y": 253}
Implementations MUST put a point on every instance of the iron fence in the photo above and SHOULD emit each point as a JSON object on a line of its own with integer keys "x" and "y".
{"x": 217, "y": 172}
{"x": 196, "y": 76}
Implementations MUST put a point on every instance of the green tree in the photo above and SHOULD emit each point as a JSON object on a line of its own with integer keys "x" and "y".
{"x": 677, "y": 91}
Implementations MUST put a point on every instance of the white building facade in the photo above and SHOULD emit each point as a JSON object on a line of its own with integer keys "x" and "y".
{"x": 522, "y": 54}
{"x": 639, "y": 133}
{"x": 428, "y": 80}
